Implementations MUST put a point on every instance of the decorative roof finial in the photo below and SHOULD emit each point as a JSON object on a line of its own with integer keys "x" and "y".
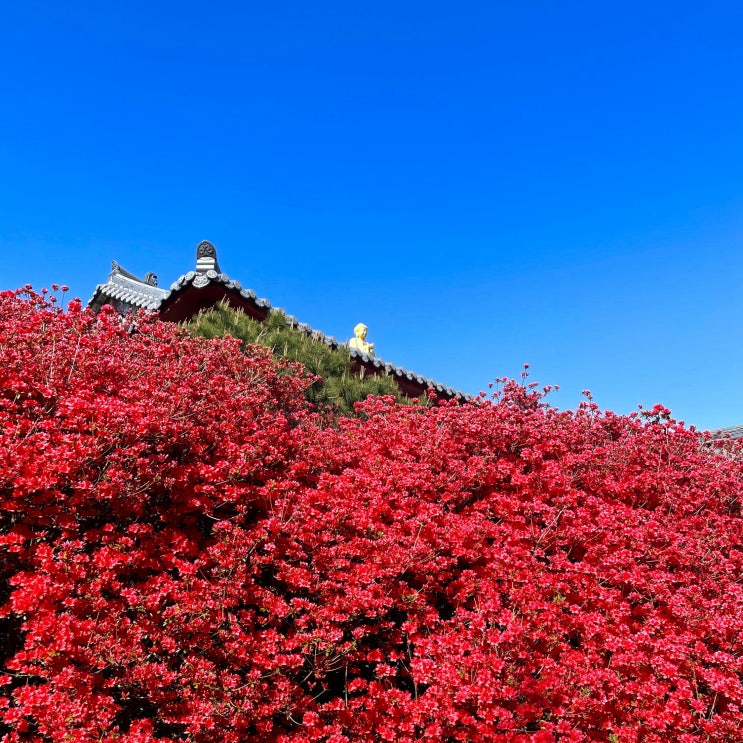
{"x": 206, "y": 258}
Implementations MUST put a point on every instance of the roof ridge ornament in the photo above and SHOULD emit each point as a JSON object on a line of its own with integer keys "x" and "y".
{"x": 206, "y": 258}
{"x": 118, "y": 270}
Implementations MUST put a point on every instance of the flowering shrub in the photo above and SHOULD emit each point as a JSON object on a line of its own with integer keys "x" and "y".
{"x": 189, "y": 555}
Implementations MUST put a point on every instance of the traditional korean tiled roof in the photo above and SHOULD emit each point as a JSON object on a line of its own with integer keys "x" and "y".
{"x": 127, "y": 292}
{"x": 731, "y": 432}
{"x": 207, "y": 285}
{"x": 208, "y": 281}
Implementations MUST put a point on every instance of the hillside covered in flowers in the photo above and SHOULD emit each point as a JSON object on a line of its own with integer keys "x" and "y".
{"x": 190, "y": 552}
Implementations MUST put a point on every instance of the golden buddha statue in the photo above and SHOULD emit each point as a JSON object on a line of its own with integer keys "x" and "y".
{"x": 359, "y": 340}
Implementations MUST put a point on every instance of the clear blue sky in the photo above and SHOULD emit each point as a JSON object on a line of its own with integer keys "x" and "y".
{"x": 483, "y": 183}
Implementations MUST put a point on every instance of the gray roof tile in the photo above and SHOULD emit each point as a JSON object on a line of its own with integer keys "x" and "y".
{"x": 731, "y": 432}
{"x": 128, "y": 290}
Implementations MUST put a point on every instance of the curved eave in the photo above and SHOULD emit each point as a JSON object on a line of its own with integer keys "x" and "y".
{"x": 113, "y": 294}
{"x": 410, "y": 383}
{"x": 195, "y": 292}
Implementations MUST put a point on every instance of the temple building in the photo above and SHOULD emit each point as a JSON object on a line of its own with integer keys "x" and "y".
{"x": 206, "y": 286}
